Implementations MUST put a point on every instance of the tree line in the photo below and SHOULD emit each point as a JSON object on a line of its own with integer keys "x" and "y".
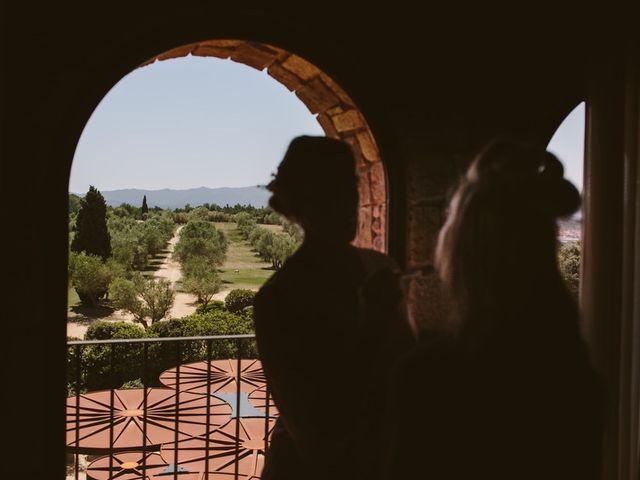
{"x": 272, "y": 247}
{"x": 216, "y": 213}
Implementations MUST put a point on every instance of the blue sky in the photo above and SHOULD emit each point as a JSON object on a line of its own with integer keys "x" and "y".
{"x": 568, "y": 145}
{"x": 194, "y": 121}
{"x": 189, "y": 122}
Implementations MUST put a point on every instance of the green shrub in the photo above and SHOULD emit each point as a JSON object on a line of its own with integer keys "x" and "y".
{"x": 164, "y": 355}
{"x": 72, "y": 368}
{"x": 218, "y": 322}
{"x": 238, "y": 299}
{"x": 222, "y": 323}
{"x": 109, "y": 330}
{"x": 180, "y": 218}
{"x": 128, "y": 359}
{"x": 247, "y": 312}
{"x": 569, "y": 265}
{"x": 137, "y": 383}
{"x": 90, "y": 276}
{"x": 96, "y": 360}
{"x": 169, "y": 328}
{"x": 212, "y": 306}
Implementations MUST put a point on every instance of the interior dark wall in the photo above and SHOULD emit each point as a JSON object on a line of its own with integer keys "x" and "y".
{"x": 434, "y": 87}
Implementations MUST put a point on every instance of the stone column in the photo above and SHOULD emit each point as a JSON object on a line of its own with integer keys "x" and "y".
{"x": 602, "y": 257}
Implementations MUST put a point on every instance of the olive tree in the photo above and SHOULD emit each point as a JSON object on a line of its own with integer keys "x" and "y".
{"x": 143, "y": 298}
{"x": 200, "y": 279}
{"x": 283, "y": 247}
{"x": 90, "y": 277}
{"x": 199, "y": 238}
{"x": 569, "y": 265}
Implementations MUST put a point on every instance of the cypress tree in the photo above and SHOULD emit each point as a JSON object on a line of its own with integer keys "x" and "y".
{"x": 92, "y": 235}
{"x": 145, "y": 208}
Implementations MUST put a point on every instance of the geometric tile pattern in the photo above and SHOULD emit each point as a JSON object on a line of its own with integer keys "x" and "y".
{"x": 258, "y": 398}
{"x": 99, "y": 421}
{"x": 95, "y": 428}
{"x": 240, "y": 405}
{"x": 222, "y": 375}
{"x": 130, "y": 466}
{"x": 192, "y": 456}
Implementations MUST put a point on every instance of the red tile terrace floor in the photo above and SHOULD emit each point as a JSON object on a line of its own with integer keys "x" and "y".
{"x": 204, "y": 438}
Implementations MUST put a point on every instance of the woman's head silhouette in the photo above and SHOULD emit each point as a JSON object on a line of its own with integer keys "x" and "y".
{"x": 316, "y": 186}
{"x": 497, "y": 249}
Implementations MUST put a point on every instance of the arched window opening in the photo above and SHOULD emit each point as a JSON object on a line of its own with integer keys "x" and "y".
{"x": 142, "y": 107}
{"x": 127, "y": 285}
{"x": 567, "y": 144}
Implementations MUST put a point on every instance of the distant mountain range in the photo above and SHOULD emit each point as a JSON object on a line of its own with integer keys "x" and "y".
{"x": 168, "y": 198}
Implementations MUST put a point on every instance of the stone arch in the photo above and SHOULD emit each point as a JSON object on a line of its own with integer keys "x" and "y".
{"x": 335, "y": 111}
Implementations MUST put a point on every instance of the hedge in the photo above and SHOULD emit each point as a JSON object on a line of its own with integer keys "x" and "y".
{"x": 96, "y": 372}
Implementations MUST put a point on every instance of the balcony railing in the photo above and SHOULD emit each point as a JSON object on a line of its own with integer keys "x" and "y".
{"x": 175, "y": 407}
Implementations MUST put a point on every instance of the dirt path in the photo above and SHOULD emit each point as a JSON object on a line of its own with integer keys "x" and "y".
{"x": 184, "y": 303}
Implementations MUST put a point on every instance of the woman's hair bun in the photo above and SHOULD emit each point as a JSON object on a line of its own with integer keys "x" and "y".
{"x": 527, "y": 174}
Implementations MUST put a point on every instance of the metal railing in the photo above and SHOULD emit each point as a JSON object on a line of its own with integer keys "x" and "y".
{"x": 120, "y": 388}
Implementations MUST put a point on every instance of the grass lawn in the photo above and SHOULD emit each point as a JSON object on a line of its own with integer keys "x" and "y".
{"x": 273, "y": 228}
{"x": 243, "y": 267}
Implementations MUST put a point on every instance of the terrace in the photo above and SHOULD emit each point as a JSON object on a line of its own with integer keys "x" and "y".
{"x": 202, "y": 418}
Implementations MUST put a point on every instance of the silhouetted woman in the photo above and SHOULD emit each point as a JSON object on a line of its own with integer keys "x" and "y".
{"x": 329, "y": 324}
{"x": 509, "y": 392}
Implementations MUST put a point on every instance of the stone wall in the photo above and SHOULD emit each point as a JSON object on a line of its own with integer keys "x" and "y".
{"x": 428, "y": 180}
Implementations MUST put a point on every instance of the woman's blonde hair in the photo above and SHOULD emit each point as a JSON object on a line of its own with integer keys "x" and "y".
{"x": 496, "y": 252}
